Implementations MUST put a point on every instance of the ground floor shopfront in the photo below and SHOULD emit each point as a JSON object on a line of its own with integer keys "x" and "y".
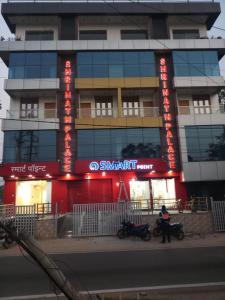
{"x": 147, "y": 182}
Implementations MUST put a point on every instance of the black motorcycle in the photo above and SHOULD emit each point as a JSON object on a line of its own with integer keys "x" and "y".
{"x": 5, "y": 239}
{"x": 176, "y": 229}
{"x": 129, "y": 228}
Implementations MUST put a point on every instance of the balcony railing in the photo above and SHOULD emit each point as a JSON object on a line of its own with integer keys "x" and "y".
{"x": 95, "y": 113}
{"x": 31, "y": 114}
{"x": 109, "y": 112}
{"x": 141, "y": 112}
{"x": 200, "y": 110}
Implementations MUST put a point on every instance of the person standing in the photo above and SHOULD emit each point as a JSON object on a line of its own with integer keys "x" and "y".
{"x": 165, "y": 224}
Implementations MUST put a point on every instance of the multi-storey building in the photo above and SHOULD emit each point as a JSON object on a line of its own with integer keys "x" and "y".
{"x": 112, "y": 101}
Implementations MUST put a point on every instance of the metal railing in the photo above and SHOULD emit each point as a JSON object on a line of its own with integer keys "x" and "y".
{"x": 95, "y": 113}
{"x": 22, "y": 216}
{"x": 141, "y": 112}
{"x": 99, "y": 219}
{"x": 200, "y": 110}
{"x": 45, "y": 209}
{"x": 31, "y": 114}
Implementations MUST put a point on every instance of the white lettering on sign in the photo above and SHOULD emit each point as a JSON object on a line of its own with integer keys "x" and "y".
{"x": 32, "y": 168}
{"x": 105, "y": 165}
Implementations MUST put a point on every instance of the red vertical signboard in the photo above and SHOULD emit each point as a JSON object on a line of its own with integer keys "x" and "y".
{"x": 67, "y": 155}
{"x": 168, "y": 115}
{"x": 67, "y": 117}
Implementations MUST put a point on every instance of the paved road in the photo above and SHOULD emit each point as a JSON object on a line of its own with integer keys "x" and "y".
{"x": 114, "y": 270}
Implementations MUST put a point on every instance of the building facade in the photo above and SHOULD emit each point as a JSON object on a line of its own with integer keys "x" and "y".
{"x": 112, "y": 101}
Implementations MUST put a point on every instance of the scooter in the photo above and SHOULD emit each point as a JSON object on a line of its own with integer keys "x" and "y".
{"x": 176, "y": 229}
{"x": 131, "y": 229}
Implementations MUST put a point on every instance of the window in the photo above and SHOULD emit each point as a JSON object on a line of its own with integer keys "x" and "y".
{"x": 186, "y": 34}
{"x": 50, "y": 110}
{"x": 39, "y": 35}
{"x": 134, "y": 34}
{"x": 93, "y": 35}
{"x": 196, "y": 63}
{"x": 184, "y": 108}
{"x": 32, "y": 65}
{"x": 115, "y": 64}
{"x": 29, "y": 108}
{"x": 103, "y": 105}
{"x": 205, "y": 143}
{"x": 130, "y": 106}
{"x": 29, "y": 145}
{"x": 201, "y": 104}
{"x": 119, "y": 143}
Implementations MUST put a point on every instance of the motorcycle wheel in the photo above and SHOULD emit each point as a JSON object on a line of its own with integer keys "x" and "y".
{"x": 147, "y": 236}
{"x": 156, "y": 232}
{"x": 180, "y": 235}
{"x": 121, "y": 234}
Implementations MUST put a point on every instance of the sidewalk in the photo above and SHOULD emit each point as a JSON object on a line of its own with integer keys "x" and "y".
{"x": 107, "y": 244}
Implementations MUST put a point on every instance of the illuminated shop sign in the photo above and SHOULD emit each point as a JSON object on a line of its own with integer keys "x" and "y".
{"x": 167, "y": 113}
{"x": 68, "y": 119}
{"x": 125, "y": 165}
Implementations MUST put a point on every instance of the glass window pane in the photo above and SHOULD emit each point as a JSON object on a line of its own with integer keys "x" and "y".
{"x": 181, "y": 70}
{"x": 180, "y": 57}
{"x": 48, "y": 71}
{"x": 212, "y": 70}
{"x": 210, "y": 57}
{"x": 16, "y": 59}
{"x": 147, "y": 70}
{"x": 84, "y": 71}
{"x": 84, "y": 58}
{"x": 100, "y": 71}
{"x": 116, "y": 71}
{"x": 33, "y": 59}
{"x": 32, "y": 72}
{"x": 85, "y": 137}
{"x": 197, "y": 70}
{"x": 100, "y": 58}
{"x": 115, "y": 58}
{"x": 131, "y": 71}
{"x": 146, "y": 57}
{"x": 48, "y": 58}
{"x": 16, "y": 72}
{"x": 130, "y": 58}
{"x": 195, "y": 57}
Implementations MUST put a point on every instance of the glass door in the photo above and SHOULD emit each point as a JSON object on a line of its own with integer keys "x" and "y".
{"x": 140, "y": 193}
{"x": 163, "y": 193}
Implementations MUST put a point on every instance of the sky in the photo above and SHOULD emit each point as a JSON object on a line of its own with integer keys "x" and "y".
{"x": 4, "y": 31}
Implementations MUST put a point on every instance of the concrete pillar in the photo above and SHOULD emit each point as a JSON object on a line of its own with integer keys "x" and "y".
{"x": 119, "y": 102}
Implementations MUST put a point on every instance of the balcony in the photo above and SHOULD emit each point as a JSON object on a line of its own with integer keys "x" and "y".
{"x": 201, "y": 115}
{"x": 32, "y": 119}
{"x": 110, "y": 113}
{"x": 31, "y": 114}
{"x": 199, "y": 110}
{"x": 141, "y": 112}
{"x": 83, "y": 113}
{"x": 109, "y": 117}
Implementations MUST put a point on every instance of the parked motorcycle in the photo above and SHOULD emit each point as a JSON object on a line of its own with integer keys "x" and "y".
{"x": 176, "y": 229}
{"x": 6, "y": 241}
{"x": 129, "y": 228}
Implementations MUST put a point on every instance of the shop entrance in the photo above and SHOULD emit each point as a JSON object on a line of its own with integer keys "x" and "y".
{"x": 33, "y": 192}
{"x": 153, "y": 193}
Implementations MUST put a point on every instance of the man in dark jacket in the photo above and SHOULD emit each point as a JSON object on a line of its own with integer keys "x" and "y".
{"x": 165, "y": 224}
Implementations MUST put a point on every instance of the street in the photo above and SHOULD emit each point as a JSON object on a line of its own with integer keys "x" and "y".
{"x": 116, "y": 270}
